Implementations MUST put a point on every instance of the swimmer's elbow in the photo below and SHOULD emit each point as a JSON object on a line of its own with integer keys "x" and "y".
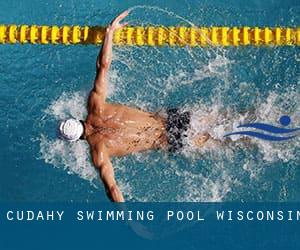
{"x": 105, "y": 63}
{"x": 115, "y": 194}
{"x": 99, "y": 163}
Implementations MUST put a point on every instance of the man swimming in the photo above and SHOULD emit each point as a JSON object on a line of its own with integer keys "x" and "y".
{"x": 117, "y": 130}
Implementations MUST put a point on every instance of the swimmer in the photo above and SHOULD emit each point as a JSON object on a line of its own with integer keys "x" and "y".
{"x": 114, "y": 130}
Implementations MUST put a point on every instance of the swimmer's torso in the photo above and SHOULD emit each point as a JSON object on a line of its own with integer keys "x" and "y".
{"x": 124, "y": 130}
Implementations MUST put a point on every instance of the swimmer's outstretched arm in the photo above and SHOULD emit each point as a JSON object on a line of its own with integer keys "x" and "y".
{"x": 103, "y": 164}
{"x": 105, "y": 56}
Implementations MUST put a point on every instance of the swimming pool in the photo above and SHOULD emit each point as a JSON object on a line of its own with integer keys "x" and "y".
{"x": 42, "y": 84}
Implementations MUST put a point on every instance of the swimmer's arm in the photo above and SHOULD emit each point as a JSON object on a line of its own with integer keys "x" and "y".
{"x": 104, "y": 58}
{"x": 103, "y": 164}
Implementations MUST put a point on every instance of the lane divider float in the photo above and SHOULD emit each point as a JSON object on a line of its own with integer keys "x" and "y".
{"x": 152, "y": 35}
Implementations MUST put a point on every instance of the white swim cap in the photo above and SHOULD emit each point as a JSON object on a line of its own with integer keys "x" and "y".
{"x": 70, "y": 130}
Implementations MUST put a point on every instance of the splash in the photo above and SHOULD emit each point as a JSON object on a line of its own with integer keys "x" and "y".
{"x": 219, "y": 89}
{"x": 68, "y": 105}
{"x": 217, "y": 120}
{"x": 73, "y": 158}
{"x": 192, "y": 185}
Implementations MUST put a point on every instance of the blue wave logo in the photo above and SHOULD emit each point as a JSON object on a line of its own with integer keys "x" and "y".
{"x": 279, "y": 133}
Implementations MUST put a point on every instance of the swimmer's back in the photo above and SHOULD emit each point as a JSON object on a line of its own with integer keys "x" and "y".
{"x": 126, "y": 130}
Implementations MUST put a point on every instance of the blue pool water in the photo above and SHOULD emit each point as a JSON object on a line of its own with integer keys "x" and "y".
{"x": 42, "y": 84}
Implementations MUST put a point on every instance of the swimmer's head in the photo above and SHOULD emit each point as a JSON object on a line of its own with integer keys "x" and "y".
{"x": 70, "y": 130}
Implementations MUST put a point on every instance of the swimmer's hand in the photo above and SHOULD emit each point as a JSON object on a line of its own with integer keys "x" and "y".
{"x": 115, "y": 24}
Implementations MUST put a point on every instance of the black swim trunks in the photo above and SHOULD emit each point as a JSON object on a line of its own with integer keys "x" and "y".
{"x": 177, "y": 125}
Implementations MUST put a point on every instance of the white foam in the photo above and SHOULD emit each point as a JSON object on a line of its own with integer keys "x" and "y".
{"x": 68, "y": 105}
{"x": 216, "y": 121}
{"x": 212, "y": 118}
{"x": 174, "y": 182}
{"x": 271, "y": 110}
{"x": 72, "y": 157}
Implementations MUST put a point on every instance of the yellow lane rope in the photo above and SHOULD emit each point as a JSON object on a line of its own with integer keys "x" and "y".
{"x": 152, "y": 35}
